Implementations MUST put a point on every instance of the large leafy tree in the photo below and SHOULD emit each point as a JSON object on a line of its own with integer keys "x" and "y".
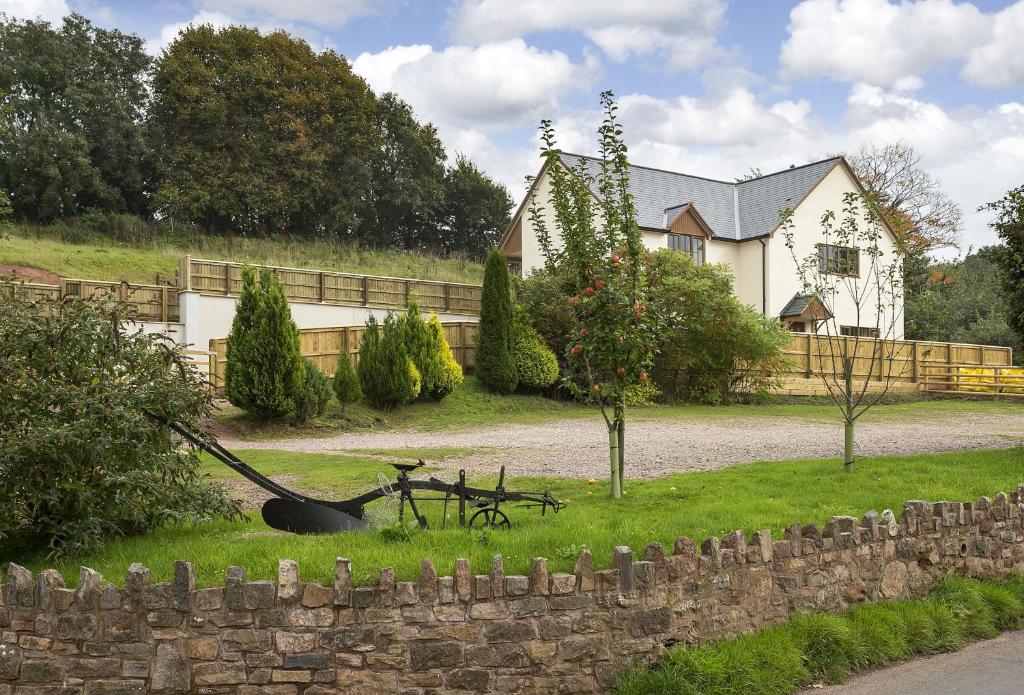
{"x": 474, "y": 213}
{"x": 405, "y": 190}
{"x": 961, "y": 300}
{"x": 72, "y": 106}
{"x": 1009, "y": 225}
{"x": 258, "y": 133}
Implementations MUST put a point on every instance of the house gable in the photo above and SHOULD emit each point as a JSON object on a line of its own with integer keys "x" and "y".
{"x": 684, "y": 219}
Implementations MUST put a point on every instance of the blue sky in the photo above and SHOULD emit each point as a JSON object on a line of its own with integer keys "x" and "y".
{"x": 710, "y": 87}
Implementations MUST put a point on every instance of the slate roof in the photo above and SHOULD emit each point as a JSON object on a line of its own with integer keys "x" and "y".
{"x": 734, "y": 211}
{"x": 798, "y": 305}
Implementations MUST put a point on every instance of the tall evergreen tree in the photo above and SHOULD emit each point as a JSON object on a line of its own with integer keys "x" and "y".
{"x": 265, "y": 369}
{"x": 494, "y": 364}
{"x": 346, "y": 383}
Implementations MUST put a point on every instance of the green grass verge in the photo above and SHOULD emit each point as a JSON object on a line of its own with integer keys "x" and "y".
{"x": 825, "y": 648}
{"x": 138, "y": 258}
{"x": 472, "y": 405}
{"x": 753, "y": 496}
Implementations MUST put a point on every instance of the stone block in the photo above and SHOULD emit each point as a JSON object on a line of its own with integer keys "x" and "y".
{"x": 424, "y": 656}
{"x": 289, "y": 588}
{"x": 171, "y": 672}
{"x": 317, "y": 596}
{"x": 517, "y": 585}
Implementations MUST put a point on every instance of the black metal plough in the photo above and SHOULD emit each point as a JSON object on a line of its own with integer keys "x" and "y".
{"x": 297, "y": 513}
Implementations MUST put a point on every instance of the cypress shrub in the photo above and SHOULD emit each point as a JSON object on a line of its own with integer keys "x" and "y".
{"x": 386, "y": 374}
{"x": 346, "y": 384}
{"x": 311, "y": 399}
{"x": 449, "y": 377}
{"x": 536, "y": 365}
{"x": 264, "y": 365}
{"x": 420, "y": 347}
{"x": 495, "y": 366}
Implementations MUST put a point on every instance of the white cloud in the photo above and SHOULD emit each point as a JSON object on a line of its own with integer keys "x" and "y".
{"x": 877, "y": 42}
{"x": 48, "y": 10}
{"x": 999, "y": 62}
{"x": 314, "y": 12}
{"x": 682, "y": 31}
{"x": 484, "y": 88}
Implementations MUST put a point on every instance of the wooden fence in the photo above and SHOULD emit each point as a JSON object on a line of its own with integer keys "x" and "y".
{"x": 327, "y": 287}
{"x": 151, "y": 302}
{"x": 914, "y": 361}
{"x": 323, "y": 345}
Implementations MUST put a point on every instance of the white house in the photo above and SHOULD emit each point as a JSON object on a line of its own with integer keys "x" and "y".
{"x": 736, "y": 224}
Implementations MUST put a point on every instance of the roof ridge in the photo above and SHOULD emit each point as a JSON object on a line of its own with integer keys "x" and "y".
{"x": 663, "y": 171}
{"x": 792, "y": 168}
{"x": 708, "y": 178}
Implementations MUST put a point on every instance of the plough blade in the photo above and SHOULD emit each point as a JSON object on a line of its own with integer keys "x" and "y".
{"x": 295, "y": 516}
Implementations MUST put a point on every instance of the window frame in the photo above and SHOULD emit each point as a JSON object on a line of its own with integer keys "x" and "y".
{"x": 831, "y": 251}
{"x": 695, "y": 246}
{"x": 859, "y": 332}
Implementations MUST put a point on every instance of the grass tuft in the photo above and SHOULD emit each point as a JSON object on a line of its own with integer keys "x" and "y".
{"x": 825, "y": 648}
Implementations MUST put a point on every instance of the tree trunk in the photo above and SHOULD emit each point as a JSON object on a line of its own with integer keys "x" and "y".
{"x": 848, "y": 415}
{"x": 613, "y": 456}
{"x": 622, "y": 446}
{"x": 848, "y": 446}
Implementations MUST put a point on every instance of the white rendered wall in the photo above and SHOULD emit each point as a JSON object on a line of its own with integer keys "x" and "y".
{"x": 784, "y": 281}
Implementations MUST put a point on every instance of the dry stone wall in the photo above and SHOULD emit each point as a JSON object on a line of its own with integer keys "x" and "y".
{"x": 471, "y": 633}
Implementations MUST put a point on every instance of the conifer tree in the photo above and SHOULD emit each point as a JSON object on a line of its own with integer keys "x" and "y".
{"x": 345, "y": 384}
{"x": 311, "y": 399}
{"x": 387, "y": 376}
{"x": 419, "y": 346}
{"x": 264, "y": 364}
{"x": 494, "y": 364}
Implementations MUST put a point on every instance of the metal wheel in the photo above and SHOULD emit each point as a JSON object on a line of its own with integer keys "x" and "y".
{"x": 490, "y": 518}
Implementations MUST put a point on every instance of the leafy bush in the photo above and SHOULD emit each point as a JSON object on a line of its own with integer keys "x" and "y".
{"x": 449, "y": 376}
{"x": 311, "y": 399}
{"x": 345, "y": 383}
{"x": 264, "y": 364}
{"x": 712, "y": 346}
{"x": 536, "y": 365}
{"x": 80, "y": 461}
{"x": 495, "y": 366}
{"x": 387, "y": 376}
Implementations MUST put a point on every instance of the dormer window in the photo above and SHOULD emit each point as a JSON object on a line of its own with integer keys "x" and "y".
{"x": 693, "y": 245}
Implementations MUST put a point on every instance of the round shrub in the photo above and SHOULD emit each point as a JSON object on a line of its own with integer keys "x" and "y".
{"x": 311, "y": 399}
{"x": 536, "y": 365}
{"x": 80, "y": 460}
{"x": 449, "y": 376}
{"x": 345, "y": 383}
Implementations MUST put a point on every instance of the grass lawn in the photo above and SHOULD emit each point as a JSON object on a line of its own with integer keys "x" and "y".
{"x": 474, "y": 406}
{"x": 98, "y": 257}
{"x": 751, "y": 497}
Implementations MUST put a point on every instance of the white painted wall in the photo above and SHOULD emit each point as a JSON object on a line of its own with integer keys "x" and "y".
{"x": 205, "y": 317}
{"x": 784, "y": 281}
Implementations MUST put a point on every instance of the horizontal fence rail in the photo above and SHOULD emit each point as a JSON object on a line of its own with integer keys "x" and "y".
{"x": 328, "y": 287}
{"x": 904, "y": 360}
{"x": 157, "y": 303}
{"x": 323, "y": 345}
{"x": 995, "y": 381}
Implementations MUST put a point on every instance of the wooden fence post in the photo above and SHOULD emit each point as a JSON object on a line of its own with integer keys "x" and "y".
{"x": 163, "y": 303}
{"x": 810, "y": 368}
{"x": 321, "y": 287}
{"x": 447, "y": 298}
{"x": 366, "y": 291}
{"x": 227, "y": 279}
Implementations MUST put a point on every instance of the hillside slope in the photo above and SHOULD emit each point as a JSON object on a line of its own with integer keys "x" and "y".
{"x": 72, "y": 253}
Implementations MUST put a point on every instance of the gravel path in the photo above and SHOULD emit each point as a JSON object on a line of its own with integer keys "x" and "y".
{"x": 577, "y": 448}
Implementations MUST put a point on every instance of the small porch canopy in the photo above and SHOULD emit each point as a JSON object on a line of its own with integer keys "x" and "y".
{"x": 803, "y": 310}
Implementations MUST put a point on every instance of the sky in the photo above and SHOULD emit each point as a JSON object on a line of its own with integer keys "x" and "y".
{"x": 706, "y": 87}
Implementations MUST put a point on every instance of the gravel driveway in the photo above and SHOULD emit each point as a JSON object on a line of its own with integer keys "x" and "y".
{"x": 578, "y": 447}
